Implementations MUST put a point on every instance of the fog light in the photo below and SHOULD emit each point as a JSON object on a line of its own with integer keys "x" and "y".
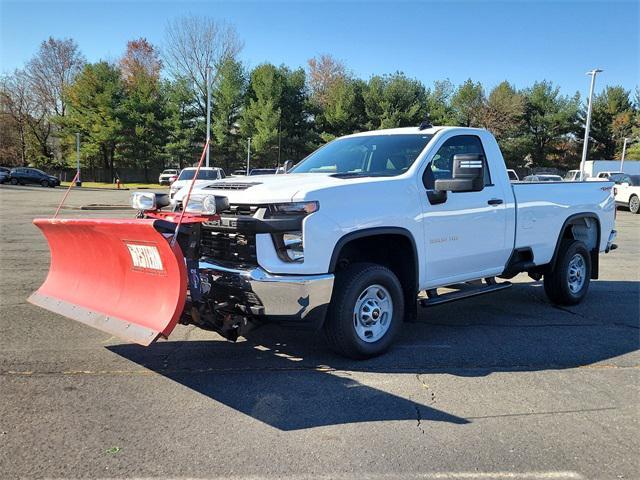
{"x": 293, "y": 246}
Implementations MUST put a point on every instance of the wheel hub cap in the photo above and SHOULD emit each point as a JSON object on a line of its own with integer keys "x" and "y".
{"x": 372, "y": 313}
{"x": 577, "y": 273}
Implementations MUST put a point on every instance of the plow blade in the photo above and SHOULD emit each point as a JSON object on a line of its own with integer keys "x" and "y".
{"x": 118, "y": 275}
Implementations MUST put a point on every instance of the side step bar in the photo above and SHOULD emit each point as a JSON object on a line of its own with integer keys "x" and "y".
{"x": 465, "y": 290}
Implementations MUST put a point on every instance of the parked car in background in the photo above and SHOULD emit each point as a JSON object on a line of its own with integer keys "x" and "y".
{"x": 241, "y": 172}
{"x": 262, "y": 171}
{"x": 206, "y": 174}
{"x": 627, "y": 192}
{"x": 608, "y": 175}
{"x": 513, "y": 176}
{"x": 542, "y": 178}
{"x": 4, "y": 176}
{"x": 165, "y": 176}
{"x": 26, "y": 176}
{"x": 572, "y": 176}
{"x": 5, "y": 169}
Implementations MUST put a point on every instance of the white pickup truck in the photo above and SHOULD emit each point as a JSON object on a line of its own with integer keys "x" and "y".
{"x": 348, "y": 238}
{"x": 344, "y": 241}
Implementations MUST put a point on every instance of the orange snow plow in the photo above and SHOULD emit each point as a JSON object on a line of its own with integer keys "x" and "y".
{"x": 122, "y": 276}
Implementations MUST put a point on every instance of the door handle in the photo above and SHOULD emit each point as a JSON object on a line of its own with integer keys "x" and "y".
{"x": 495, "y": 201}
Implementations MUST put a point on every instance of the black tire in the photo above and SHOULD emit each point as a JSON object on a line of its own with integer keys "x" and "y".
{"x": 44, "y": 183}
{"x": 557, "y": 284}
{"x": 339, "y": 326}
{"x": 634, "y": 204}
{"x": 14, "y": 181}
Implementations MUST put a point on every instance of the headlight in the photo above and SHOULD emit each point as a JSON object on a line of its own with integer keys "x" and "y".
{"x": 292, "y": 247}
{"x": 143, "y": 201}
{"x": 206, "y": 204}
{"x": 295, "y": 208}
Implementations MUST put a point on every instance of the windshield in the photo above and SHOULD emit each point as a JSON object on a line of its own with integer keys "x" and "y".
{"x": 202, "y": 175}
{"x": 384, "y": 155}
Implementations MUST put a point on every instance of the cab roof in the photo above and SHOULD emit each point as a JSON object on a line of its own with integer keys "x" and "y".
{"x": 411, "y": 130}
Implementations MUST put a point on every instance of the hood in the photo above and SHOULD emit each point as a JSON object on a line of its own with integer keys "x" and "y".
{"x": 260, "y": 189}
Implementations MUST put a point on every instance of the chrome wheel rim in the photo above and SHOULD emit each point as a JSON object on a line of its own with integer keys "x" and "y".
{"x": 634, "y": 204}
{"x": 577, "y": 273}
{"x": 373, "y": 313}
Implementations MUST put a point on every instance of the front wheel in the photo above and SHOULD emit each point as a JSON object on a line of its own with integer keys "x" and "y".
{"x": 366, "y": 311}
{"x": 14, "y": 181}
{"x": 634, "y": 204}
{"x": 568, "y": 282}
{"x": 44, "y": 183}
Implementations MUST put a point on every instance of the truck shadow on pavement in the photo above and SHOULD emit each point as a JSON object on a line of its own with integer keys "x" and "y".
{"x": 289, "y": 380}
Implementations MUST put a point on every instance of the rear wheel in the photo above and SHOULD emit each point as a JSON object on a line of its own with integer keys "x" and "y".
{"x": 634, "y": 204}
{"x": 366, "y": 311}
{"x": 568, "y": 282}
{"x": 44, "y": 183}
{"x": 14, "y": 181}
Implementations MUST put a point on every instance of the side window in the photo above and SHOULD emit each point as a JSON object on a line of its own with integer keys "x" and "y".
{"x": 441, "y": 165}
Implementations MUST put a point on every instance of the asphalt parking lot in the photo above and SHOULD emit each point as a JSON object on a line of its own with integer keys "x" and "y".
{"x": 503, "y": 386}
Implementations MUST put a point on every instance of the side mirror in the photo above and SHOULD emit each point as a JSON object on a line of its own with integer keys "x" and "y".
{"x": 467, "y": 174}
{"x": 287, "y": 165}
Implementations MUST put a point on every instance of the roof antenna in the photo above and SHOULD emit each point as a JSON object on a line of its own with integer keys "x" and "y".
{"x": 426, "y": 123}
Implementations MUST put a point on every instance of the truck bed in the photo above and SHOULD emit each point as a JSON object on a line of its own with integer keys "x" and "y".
{"x": 542, "y": 209}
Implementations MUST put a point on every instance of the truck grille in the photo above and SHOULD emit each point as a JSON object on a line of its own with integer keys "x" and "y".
{"x": 228, "y": 247}
{"x": 240, "y": 209}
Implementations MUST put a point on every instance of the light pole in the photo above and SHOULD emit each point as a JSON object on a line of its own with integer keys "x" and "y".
{"x": 248, "y": 153}
{"x": 279, "y": 139}
{"x": 78, "y": 181}
{"x": 587, "y": 127}
{"x": 208, "y": 80}
{"x": 624, "y": 151}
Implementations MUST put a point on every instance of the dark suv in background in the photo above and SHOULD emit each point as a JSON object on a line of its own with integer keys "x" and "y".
{"x": 26, "y": 176}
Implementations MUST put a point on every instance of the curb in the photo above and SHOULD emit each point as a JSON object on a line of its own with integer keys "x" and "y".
{"x": 94, "y": 189}
{"x": 96, "y": 207}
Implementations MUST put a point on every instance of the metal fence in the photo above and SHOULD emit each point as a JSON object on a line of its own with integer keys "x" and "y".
{"x": 126, "y": 175}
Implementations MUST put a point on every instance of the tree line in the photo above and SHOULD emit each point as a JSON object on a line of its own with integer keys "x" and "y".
{"x": 147, "y": 110}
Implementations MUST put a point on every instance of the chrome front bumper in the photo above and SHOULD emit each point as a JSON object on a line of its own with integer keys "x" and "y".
{"x": 280, "y": 298}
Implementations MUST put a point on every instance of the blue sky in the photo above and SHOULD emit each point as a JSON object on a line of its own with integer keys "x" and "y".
{"x": 484, "y": 40}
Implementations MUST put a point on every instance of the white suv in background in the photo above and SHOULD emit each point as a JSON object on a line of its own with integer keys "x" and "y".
{"x": 627, "y": 191}
{"x": 165, "y": 176}
{"x": 206, "y": 175}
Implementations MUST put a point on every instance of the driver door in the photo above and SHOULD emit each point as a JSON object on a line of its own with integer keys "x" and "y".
{"x": 465, "y": 236}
